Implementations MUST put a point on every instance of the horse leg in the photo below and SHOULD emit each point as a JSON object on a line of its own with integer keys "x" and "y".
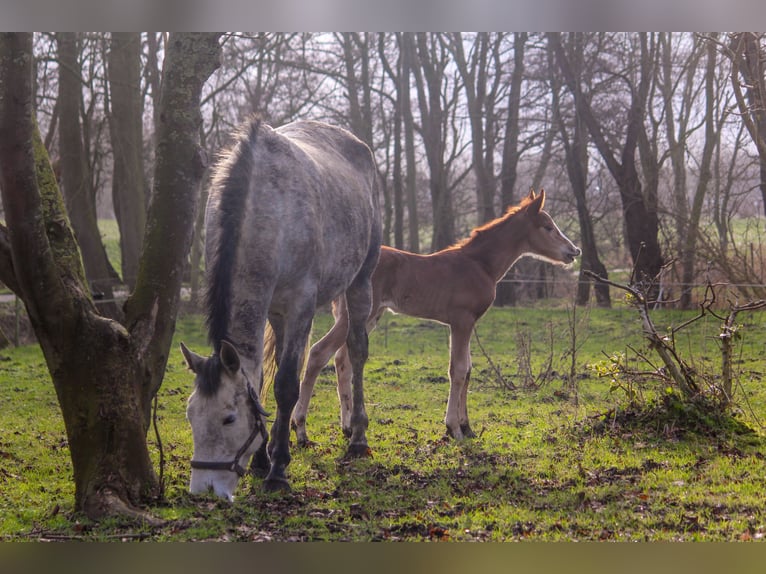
{"x": 286, "y": 390}
{"x": 319, "y": 355}
{"x": 270, "y": 369}
{"x": 359, "y": 302}
{"x": 456, "y": 418}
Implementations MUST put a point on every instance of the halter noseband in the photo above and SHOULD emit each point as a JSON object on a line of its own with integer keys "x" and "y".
{"x": 259, "y": 428}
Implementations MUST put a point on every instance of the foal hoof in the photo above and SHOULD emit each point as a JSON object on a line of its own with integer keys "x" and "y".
{"x": 462, "y": 433}
{"x": 358, "y": 451}
{"x": 277, "y": 485}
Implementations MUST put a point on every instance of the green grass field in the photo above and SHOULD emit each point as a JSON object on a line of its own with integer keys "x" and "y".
{"x": 544, "y": 466}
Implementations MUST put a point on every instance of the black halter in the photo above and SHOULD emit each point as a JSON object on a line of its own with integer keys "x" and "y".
{"x": 258, "y": 429}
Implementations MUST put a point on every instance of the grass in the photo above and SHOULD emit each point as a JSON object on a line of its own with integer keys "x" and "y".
{"x": 110, "y": 235}
{"x": 544, "y": 467}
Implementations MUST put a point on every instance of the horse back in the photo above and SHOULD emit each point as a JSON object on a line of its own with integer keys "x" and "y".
{"x": 306, "y": 195}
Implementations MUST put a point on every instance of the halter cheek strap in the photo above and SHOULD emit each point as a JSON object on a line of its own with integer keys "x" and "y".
{"x": 258, "y": 429}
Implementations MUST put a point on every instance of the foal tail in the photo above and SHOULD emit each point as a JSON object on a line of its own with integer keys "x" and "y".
{"x": 270, "y": 364}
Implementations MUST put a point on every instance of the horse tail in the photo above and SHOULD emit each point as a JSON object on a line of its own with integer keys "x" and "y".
{"x": 270, "y": 364}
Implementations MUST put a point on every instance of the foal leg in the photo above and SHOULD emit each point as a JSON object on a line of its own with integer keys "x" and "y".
{"x": 318, "y": 357}
{"x": 344, "y": 373}
{"x": 286, "y": 390}
{"x": 456, "y": 418}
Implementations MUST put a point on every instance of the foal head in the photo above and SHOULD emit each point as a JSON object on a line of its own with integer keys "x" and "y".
{"x": 544, "y": 239}
{"x": 226, "y": 419}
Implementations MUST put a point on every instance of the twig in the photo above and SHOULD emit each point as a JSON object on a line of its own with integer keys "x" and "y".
{"x": 498, "y": 373}
{"x": 676, "y": 367}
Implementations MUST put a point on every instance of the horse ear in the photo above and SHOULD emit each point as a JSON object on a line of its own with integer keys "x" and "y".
{"x": 193, "y": 360}
{"x": 537, "y": 203}
{"x": 229, "y": 357}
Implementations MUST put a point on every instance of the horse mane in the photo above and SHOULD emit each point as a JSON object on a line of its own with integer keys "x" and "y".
{"x": 231, "y": 179}
{"x": 477, "y": 232}
{"x": 209, "y": 381}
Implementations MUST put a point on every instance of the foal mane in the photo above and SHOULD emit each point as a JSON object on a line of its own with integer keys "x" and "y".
{"x": 478, "y": 232}
{"x": 231, "y": 181}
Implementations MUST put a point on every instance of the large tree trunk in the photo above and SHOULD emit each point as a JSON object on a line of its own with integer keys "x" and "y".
{"x": 126, "y": 134}
{"x": 104, "y": 373}
{"x": 75, "y": 175}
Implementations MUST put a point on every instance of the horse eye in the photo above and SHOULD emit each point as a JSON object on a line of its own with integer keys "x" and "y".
{"x": 549, "y": 228}
{"x": 229, "y": 419}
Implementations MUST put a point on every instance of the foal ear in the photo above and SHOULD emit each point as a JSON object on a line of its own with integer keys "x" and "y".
{"x": 193, "y": 360}
{"x": 531, "y": 194}
{"x": 537, "y": 203}
{"x": 229, "y": 357}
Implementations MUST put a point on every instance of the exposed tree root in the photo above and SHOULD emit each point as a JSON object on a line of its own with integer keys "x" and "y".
{"x": 108, "y": 504}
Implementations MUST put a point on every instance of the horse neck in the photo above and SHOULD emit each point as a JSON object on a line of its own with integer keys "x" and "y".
{"x": 498, "y": 246}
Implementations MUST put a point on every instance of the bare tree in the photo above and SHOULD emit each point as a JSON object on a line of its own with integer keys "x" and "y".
{"x": 430, "y": 74}
{"x": 575, "y": 142}
{"x": 748, "y": 57}
{"x": 480, "y": 71}
{"x": 639, "y": 205}
{"x": 105, "y": 372}
{"x": 407, "y": 47}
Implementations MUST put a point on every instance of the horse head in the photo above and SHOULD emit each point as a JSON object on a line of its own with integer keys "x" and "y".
{"x": 226, "y": 418}
{"x": 545, "y": 240}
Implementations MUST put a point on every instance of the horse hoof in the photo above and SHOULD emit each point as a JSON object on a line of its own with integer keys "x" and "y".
{"x": 358, "y": 451}
{"x": 467, "y": 431}
{"x": 276, "y": 485}
{"x": 305, "y": 443}
{"x": 347, "y": 432}
{"x": 259, "y": 472}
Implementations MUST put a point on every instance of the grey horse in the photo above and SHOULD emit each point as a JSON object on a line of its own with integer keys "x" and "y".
{"x": 291, "y": 223}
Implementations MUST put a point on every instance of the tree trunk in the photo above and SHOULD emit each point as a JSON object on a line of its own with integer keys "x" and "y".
{"x": 104, "y": 373}
{"x": 689, "y": 248}
{"x": 474, "y": 74}
{"x": 75, "y": 178}
{"x": 507, "y": 291}
{"x": 748, "y": 59}
{"x": 639, "y": 211}
{"x": 407, "y": 47}
{"x": 126, "y": 134}
{"x": 180, "y": 164}
{"x": 428, "y": 78}
{"x": 393, "y": 208}
{"x": 576, "y": 156}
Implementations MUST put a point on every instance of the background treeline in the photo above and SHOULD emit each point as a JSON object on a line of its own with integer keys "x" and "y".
{"x": 650, "y": 145}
